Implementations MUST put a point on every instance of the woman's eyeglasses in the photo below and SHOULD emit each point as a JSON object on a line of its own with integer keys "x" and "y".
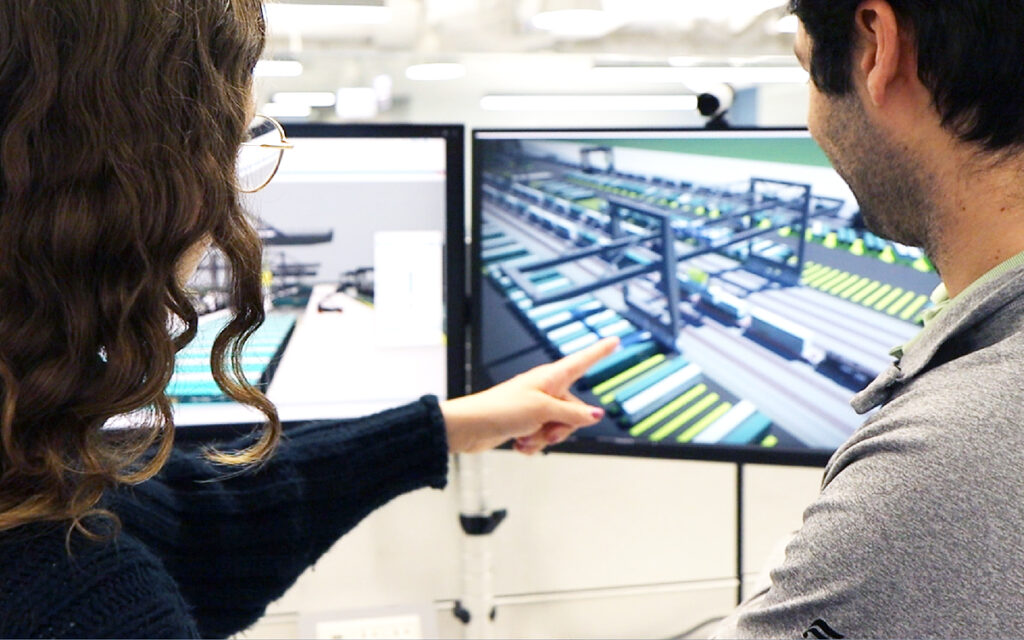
{"x": 259, "y": 157}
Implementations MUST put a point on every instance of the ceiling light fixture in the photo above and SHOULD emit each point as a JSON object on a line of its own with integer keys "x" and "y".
{"x": 575, "y": 18}
{"x": 291, "y": 14}
{"x": 357, "y": 103}
{"x": 278, "y": 69}
{"x": 735, "y": 75}
{"x": 436, "y": 71}
{"x": 285, "y": 111}
{"x": 588, "y": 103}
{"x": 308, "y": 98}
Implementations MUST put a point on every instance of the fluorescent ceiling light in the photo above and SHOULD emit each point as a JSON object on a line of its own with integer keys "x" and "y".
{"x": 278, "y": 69}
{"x": 286, "y": 111}
{"x": 575, "y": 18}
{"x": 308, "y": 98}
{"x": 294, "y": 14}
{"x": 721, "y": 75}
{"x": 589, "y": 103}
{"x": 576, "y": 23}
{"x": 668, "y": 11}
{"x": 436, "y": 71}
{"x": 357, "y": 103}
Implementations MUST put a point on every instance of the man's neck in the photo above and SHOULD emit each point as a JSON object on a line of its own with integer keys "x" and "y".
{"x": 981, "y": 220}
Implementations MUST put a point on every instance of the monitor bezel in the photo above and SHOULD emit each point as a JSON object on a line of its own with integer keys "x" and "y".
{"x": 456, "y": 308}
{"x": 583, "y": 445}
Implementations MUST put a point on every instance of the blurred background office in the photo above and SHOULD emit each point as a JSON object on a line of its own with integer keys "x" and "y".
{"x": 593, "y": 546}
{"x": 509, "y": 63}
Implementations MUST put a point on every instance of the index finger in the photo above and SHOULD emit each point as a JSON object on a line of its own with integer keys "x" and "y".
{"x": 570, "y": 368}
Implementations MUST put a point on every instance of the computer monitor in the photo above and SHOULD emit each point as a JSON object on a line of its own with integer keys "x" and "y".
{"x": 363, "y": 227}
{"x": 750, "y": 300}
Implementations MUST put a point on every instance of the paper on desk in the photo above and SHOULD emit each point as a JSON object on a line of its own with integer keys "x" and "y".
{"x": 408, "y": 295}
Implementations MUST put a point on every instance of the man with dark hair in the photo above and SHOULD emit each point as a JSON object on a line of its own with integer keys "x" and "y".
{"x": 919, "y": 527}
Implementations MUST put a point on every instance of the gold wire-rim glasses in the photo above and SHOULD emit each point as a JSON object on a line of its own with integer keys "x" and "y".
{"x": 281, "y": 147}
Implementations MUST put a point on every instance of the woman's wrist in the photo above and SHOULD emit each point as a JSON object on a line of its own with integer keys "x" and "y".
{"x": 452, "y": 426}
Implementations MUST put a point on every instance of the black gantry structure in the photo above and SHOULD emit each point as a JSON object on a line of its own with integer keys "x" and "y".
{"x": 665, "y": 325}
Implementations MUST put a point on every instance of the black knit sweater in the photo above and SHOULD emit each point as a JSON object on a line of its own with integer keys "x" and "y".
{"x": 203, "y": 555}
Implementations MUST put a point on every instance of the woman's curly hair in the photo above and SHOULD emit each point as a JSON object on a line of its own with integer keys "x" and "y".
{"x": 120, "y": 122}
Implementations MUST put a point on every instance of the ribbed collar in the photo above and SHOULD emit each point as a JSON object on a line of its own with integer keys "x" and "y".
{"x": 976, "y": 304}
{"x": 940, "y": 297}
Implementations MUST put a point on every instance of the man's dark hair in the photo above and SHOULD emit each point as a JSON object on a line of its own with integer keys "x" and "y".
{"x": 970, "y": 56}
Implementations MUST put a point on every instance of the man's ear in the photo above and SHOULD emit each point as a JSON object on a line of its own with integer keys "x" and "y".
{"x": 880, "y": 52}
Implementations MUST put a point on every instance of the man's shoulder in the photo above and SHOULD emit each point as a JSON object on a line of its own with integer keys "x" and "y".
{"x": 919, "y": 514}
{"x": 102, "y": 588}
{"x": 972, "y": 398}
{"x": 945, "y": 443}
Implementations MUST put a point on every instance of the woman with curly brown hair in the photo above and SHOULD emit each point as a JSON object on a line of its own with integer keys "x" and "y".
{"x": 120, "y": 123}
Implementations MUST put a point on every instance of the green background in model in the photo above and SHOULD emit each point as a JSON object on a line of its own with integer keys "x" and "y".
{"x": 787, "y": 150}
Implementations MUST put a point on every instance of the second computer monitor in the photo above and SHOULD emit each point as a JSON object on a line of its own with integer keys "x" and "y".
{"x": 750, "y": 300}
{"x": 363, "y": 241}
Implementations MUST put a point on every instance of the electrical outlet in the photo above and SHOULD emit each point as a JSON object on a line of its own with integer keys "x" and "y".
{"x": 393, "y": 626}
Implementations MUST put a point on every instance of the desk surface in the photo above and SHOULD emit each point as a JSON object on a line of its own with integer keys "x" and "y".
{"x": 334, "y": 367}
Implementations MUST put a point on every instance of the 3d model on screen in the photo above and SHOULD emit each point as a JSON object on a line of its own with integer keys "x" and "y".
{"x": 287, "y": 282}
{"x": 749, "y": 302}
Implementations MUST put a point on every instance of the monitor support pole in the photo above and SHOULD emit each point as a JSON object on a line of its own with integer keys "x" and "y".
{"x": 476, "y": 607}
{"x": 739, "y": 533}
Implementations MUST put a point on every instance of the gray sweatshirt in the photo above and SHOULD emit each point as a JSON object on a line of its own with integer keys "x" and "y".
{"x": 919, "y": 528}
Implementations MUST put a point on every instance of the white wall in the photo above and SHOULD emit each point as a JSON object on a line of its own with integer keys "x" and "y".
{"x": 594, "y": 547}
{"x": 783, "y": 105}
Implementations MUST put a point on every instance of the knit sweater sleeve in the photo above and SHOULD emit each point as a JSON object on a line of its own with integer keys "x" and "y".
{"x": 235, "y": 543}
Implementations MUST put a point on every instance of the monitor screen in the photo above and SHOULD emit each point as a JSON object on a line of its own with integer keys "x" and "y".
{"x": 363, "y": 231}
{"x": 750, "y": 301}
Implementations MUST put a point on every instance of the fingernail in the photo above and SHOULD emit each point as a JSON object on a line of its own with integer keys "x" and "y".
{"x": 597, "y": 413}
